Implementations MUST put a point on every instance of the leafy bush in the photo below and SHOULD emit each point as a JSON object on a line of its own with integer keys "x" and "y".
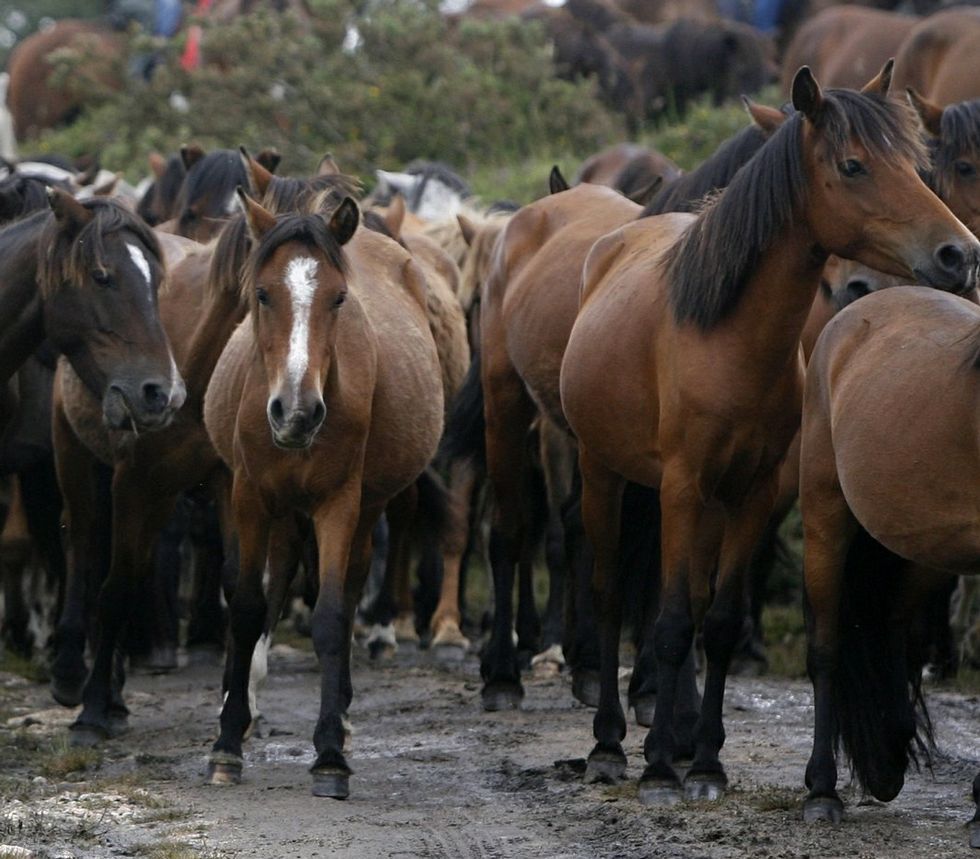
{"x": 413, "y": 88}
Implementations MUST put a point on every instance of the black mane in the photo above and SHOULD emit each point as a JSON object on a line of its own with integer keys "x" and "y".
{"x": 710, "y": 264}
{"x": 288, "y": 194}
{"x": 213, "y": 178}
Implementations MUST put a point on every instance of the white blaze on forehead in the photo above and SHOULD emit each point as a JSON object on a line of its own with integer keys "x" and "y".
{"x": 139, "y": 260}
{"x": 301, "y": 282}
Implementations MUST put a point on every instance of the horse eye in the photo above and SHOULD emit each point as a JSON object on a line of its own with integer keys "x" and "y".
{"x": 965, "y": 169}
{"x": 101, "y": 277}
{"x": 339, "y": 299}
{"x": 851, "y": 167}
{"x": 262, "y": 296}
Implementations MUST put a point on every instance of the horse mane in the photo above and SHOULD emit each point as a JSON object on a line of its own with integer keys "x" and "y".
{"x": 228, "y": 260}
{"x": 66, "y": 258}
{"x": 959, "y": 135}
{"x": 216, "y": 175}
{"x": 289, "y": 194}
{"x": 167, "y": 187}
{"x": 20, "y": 196}
{"x": 709, "y": 265}
{"x": 310, "y": 230}
{"x": 686, "y": 192}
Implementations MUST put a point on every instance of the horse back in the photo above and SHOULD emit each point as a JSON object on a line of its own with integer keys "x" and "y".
{"x": 930, "y": 52}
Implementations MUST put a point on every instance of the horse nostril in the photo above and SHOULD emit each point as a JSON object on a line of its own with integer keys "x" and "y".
{"x": 858, "y": 287}
{"x": 154, "y": 397}
{"x": 276, "y": 411}
{"x": 319, "y": 411}
{"x": 951, "y": 258}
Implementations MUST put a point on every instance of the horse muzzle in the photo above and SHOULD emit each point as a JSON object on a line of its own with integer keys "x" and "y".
{"x": 295, "y": 429}
{"x": 954, "y": 267}
{"x": 142, "y": 406}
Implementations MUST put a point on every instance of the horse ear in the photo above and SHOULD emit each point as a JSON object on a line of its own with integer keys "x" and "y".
{"x": 107, "y": 188}
{"x": 556, "y": 182}
{"x": 768, "y": 119}
{"x": 395, "y": 216}
{"x": 89, "y": 174}
{"x": 807, "y": 97}
{"x": 190, "y": 154}
{"x": 269, "y": 158}
{"x": 645, "y": 194}
{"x": 158, "y": 164}
{"x": 344, "y": 221}
{"x": 930, "y": 114}
{"x": 259, "y": 220}
{"x": 327, "y": 166}
{"x": 259, "y": 177}
{"x": 881, "y": 82}
{"x": 69, "y": 214}
{"x": 467, "y": 228}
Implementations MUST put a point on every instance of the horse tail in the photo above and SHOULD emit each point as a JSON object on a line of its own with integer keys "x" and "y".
{"x": 882, "y": 722}
{"x": 432, "y": 516}
{"x": 465, "y": 434}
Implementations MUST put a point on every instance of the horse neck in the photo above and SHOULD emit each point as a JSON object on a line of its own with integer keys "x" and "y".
{"x": 222, "y": 313}
{"x": 21, "y": 307}
{"x": 778, "y": 296}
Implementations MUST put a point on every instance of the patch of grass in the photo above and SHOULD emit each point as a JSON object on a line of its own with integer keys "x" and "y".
{"x": 776, "y": 799}
{"x": 63, "y": 760}
{"x": 785, "y": 640}
{"x": 14, "y": 663}
{"x": 175, "y": 850}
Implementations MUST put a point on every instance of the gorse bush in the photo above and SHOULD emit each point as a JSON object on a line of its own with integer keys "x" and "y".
{"x": 413, "y": 87}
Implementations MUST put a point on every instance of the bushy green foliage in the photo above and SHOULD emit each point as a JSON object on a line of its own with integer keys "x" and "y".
{"x": 414, "y": 88}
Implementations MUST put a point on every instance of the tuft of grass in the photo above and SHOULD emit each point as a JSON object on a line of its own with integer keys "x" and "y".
{"x": 62, "y": 760}
{"x": 776, "y": 799}
{"x": 14, "y": 663}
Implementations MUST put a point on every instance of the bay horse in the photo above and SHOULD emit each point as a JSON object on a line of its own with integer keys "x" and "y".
{"x": 527, "y": 310}
{"x": 940, "y": 57}
{"x": 845, "y": 45}
{"x": 698, "y": 318}
{"x": 326, "y": 403}
{"x": 880, "y": 537}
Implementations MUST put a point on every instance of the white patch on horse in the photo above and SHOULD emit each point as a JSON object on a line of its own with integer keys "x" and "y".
{"x": 139, "y": 260}
{"x": 233, "y": 205}
{"x": 257, "y": 673}
{"x": 301, "y": 281}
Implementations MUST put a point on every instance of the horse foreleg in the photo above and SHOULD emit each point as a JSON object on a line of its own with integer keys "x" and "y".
{"x": 140, "y": 509}
{"x": 248, "y": 612}
{"x": 446, "y": 621}
{"x": 723, "y": 626}
{"x": 15, "y": 555}
{"x": 342, "y": 535}
{"x": 602, "y": 499}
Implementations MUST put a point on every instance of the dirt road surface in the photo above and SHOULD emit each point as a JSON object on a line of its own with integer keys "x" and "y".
{"x": 437, "y": 777}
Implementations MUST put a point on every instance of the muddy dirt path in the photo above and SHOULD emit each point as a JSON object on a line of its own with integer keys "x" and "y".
{"x": 436, "y": 777}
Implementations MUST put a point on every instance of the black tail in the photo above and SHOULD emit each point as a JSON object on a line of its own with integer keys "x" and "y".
{"x": 882, "y": 719}
{"x": 465, "y": 435}
{"x": 432, "y": 517}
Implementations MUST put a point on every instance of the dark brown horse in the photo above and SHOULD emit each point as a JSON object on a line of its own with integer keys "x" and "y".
{"x": 897, "y": 377}
{"x": 35, "y": 101}
{"x": 326, "y": 405}
{"x": 699, "y": 319}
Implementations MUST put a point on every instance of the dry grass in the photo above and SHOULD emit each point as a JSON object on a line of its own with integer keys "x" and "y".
{"x": 63, "y": 760}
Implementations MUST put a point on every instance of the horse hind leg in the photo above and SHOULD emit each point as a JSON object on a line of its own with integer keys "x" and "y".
{"x": 15, "y": 556}
{"x": 448, "y": 641}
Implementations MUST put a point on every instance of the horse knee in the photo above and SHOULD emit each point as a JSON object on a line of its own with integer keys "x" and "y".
{"x": 672, "y": 637}
{"x": 722, "y": 630}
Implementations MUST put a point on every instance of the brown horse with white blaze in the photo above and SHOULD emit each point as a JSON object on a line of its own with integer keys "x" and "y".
{"x": 698, "y": 318}
{"x": 327, "y": 403}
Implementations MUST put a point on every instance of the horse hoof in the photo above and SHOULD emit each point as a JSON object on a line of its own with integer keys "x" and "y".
{"x": 585, "y": 687}
{"x": 86, "y": 736}
{"x": 605, "y": 767}
{"x": 67, "y": 692}
{"x": 449, "y": 634}
{"x": 975, "y": 834}
{"x": 449, "y": 653}
{"x": 331, "y": 784}
{"x": 498, "y": 697}
{"x": 710, "y": 786}
{"x": 118, "y": 725}
{"x": 827, "y": 809}
{"x": 225, "y": 768}
{"x": 659, "y": 792}
{"x": 405, "y": 629}
{"x": 643, "y": 710}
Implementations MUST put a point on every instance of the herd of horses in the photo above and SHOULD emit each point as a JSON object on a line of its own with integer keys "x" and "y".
{"x": 643, "y": 381}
